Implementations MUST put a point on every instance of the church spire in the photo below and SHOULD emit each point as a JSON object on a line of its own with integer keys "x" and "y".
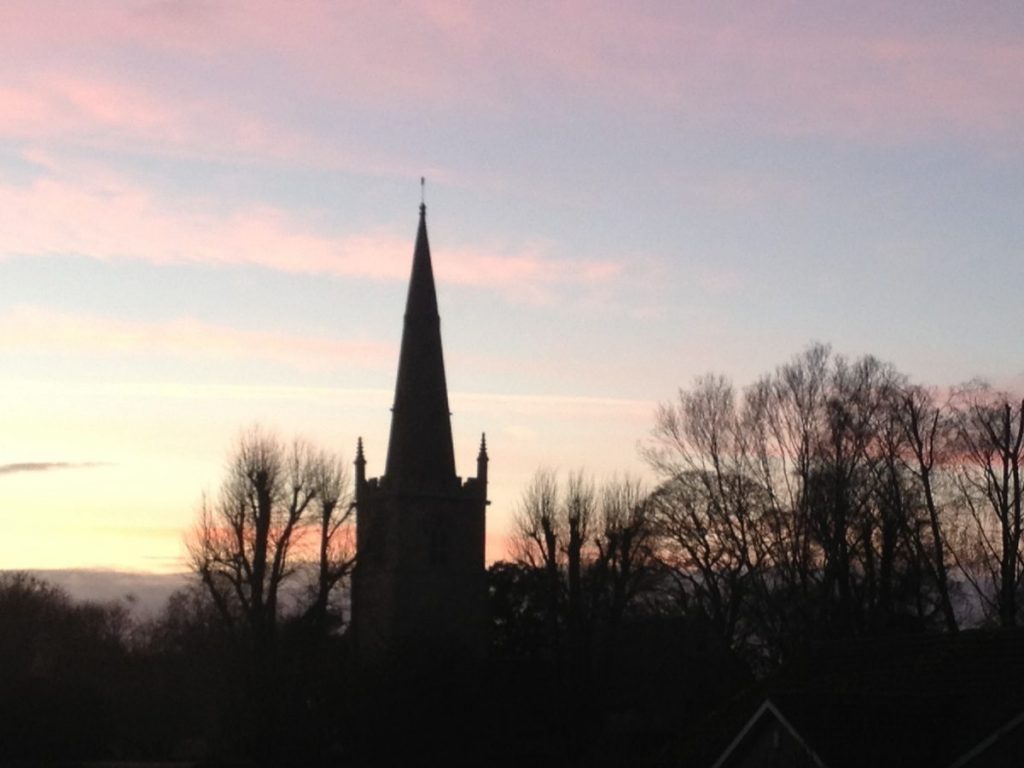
{"x": 421, "y": 457}
{"x": 481, "y": 462}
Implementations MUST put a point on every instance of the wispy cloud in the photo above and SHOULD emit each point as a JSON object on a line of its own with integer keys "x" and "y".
{"x": 570, "y": 406}
{"x": 108, "y": 217}
{"x": 47, "y": 105}
{"x": 48, "y": 466}
{"x": 40, "y": 329}
{"x": 111, "y": 113}
{"x": 875, "y": 73}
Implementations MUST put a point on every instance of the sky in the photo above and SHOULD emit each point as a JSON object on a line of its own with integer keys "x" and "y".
{"x": 207, "y": 215}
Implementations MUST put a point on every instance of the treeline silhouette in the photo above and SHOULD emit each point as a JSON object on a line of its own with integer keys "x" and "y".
{"x": 835, "y": 497}
{"x": 831, "y": 499}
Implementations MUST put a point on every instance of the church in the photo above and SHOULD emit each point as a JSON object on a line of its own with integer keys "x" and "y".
{"x": 419, "y": 593}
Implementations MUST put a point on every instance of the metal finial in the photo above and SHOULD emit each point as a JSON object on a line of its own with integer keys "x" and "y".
{"x": 423, "y": 192}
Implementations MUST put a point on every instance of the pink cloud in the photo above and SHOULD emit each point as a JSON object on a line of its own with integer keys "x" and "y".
{"x": 108, "y": 217}
{"x": 774, "y": 69}
{"x": 126, "y": 76}
{"x": 765, "y": 69}
{"x": 110, "y": 112}
{"x": 49, "y": 104}
{"x": 872, "y": 73}
{"x": 36, "y": 329}
{"x": 97, "y": 108}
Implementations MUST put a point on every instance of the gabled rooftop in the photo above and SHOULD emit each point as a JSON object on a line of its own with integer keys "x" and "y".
{"x": 909, "y": 701}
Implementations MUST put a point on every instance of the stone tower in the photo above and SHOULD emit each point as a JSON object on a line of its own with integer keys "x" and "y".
{"x": 419, "y": 587}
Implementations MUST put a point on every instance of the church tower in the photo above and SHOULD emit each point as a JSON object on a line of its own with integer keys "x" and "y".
{"x": 419, "y": 588}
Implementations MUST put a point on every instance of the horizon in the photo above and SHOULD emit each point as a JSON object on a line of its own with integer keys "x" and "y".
{"x": 207, "y": 220}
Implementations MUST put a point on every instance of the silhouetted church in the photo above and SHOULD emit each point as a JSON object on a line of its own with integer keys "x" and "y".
{"x": 419, "y": 587}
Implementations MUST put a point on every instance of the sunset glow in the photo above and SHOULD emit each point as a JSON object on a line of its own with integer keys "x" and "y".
{"x": 207, "y": 215}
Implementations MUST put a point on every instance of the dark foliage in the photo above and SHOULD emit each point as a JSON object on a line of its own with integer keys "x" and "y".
{"x": 64, "y": 671}
{"x": 830, "y": 501}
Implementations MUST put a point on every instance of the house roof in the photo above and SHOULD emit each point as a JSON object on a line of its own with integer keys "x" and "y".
{"x": 768, "y": 711}
{"x": 921, "y": 700}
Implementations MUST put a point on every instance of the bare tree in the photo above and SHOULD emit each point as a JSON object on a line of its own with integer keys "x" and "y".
{"x": 623, "y": 572}
{"x": 249, "y": 540}
{"x": 782, "y": 418}
{"x": 538, "y": 539}
{"x": 924, "y": 427}
{"x": 706, "y": 508}
{"x": 579, "y": 512}
{"x": 334, "y": 510}
{"x": 552, "y": 533}
{"x": 589, "y": 547}
{"x": 989, "y": 443}
{"x": 797, "y": 510}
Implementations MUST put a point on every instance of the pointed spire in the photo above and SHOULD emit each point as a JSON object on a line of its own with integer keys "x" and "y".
{"x": 481, "y": 460}
{"x": 420, "y": 452}
{"x": 360, "y": 463}
{"x": 421, "y": 300}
